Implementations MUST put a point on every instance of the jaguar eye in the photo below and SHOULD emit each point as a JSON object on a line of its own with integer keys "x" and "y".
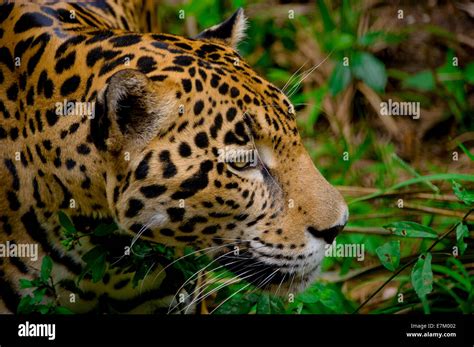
{"x": 240, "y": 165}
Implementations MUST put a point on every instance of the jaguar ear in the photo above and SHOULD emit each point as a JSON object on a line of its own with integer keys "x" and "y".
{"x": 135, "y": 110}
{"x": 232, "y": 31}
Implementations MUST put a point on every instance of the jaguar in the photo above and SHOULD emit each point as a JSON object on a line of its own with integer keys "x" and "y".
{"x": 103, "y": 118}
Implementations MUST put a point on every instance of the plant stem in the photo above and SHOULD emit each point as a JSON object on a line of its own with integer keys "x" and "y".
{"x": 367, "y": 230}
{"x": 385, "y": 283}
{"x": 412, "y": 261}
{"x": 439, "y": 211}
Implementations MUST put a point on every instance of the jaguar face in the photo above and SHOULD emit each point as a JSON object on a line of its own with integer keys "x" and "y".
{"x": 207, "y": 153}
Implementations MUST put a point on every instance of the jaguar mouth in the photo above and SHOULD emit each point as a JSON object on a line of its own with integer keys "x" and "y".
{"x": 276, "y": 278}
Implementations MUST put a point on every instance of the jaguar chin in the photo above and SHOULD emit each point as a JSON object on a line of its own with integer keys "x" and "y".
{"x": 273, "y": 269}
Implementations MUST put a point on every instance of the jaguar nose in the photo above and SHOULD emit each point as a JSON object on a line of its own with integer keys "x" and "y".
{"x": 327, "y": 235}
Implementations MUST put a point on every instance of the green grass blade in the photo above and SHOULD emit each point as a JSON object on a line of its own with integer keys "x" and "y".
{"x": 412, "y": 171}
{"x": 436, "y": 177}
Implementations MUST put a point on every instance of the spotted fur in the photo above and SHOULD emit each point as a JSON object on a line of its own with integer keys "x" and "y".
{"x": 148, "y": 159}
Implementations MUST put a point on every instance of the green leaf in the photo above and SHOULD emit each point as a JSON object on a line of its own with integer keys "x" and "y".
{"x": 308, "y": 297}
{"x": 43, "y": 309}
{"x": 263, "y": 304}
{"x": 461, "y": 232}
{"x": 268, "y": 304}
{"x": 38, "y": 295}
{"x": 276, "y": 305}
{"x": 93, "y": 254}
{"x": 349, "y": 17}
{"x": 462, "y": 194}
{"x": 339, "y": 41}
{"x": 422, "y": 276}
{"x": 423, "y": 81}
{"x": 140, "y": 273}
{"x": 26, "y": 305}
{"x": 411, "y": 229}
{"x": 340, "y": 79}
{"x": 389, "y": 255}
{"x": 319, "y": 293}
{"x": 67, "y": 243}
{"x": 95, "y": 263}
{"x": 66, "y": 223}
{"x": 329, "y": 298}
{"x": 105, "y": 229}
{"x": 62, "y": 310}
{"x": 370, "y": 38}
{"x": 238, "y": 304}
{"x": 328, "y": 23}
{"x": 369, "y": 69}
{"x": 46, "y": 267}
{"x": 26, "y": 284}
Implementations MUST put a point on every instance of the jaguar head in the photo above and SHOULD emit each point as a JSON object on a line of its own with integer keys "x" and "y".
{"x": 205, "y": 152}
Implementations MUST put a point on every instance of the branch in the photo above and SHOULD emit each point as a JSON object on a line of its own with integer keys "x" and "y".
{"x": 367, "y": 230}
{"x": 412, "y": 261}
{"x": 435, "y": 210}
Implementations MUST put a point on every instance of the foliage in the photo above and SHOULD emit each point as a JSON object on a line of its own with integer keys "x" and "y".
{"x": 389, "y": 254}
{"x": 41, "y": 289}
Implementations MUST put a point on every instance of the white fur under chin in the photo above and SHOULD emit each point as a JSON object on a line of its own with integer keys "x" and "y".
{"x": 308, "y": 270}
